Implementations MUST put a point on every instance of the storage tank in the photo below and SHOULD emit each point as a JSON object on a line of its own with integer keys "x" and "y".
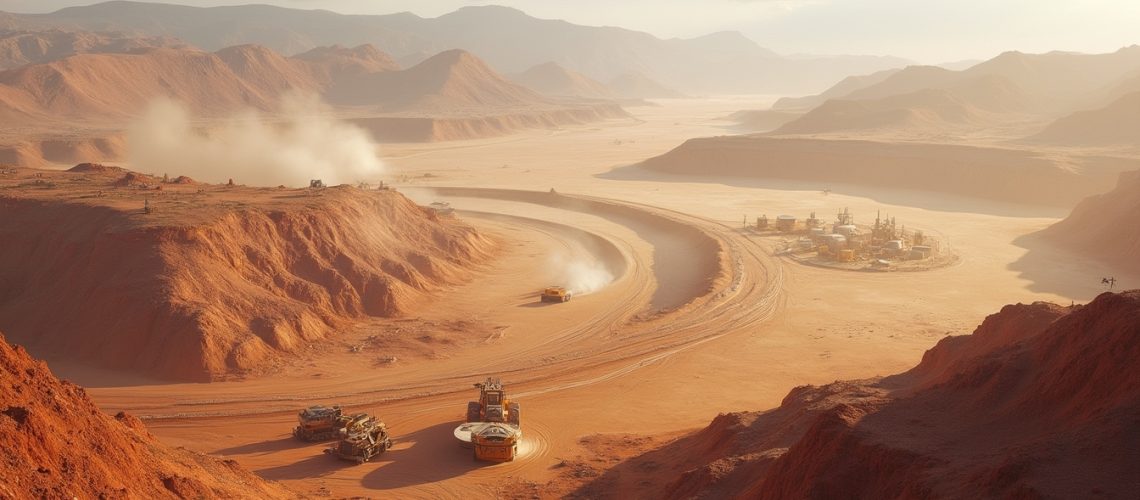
{"x": 835, "y": 242}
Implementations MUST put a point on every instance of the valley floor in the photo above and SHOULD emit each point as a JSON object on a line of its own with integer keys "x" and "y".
{"x": 700, "y": 318}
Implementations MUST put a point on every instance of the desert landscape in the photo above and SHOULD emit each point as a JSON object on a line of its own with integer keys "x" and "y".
{"x": 262, "y": 252}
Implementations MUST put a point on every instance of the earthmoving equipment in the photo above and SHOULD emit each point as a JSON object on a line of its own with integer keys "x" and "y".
{"x": 320, "y": 423}
{"x": 556, "y": 294}
{"x": 494, "y": 424}
{"x": 364, "y": 438}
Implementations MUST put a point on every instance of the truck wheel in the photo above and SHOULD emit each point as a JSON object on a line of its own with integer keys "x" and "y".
{"x": 474, "y": 411}
{"x": 514, "y": 411}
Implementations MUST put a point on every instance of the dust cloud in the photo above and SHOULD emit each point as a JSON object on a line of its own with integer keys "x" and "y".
{"x": 580, "y": 272}
{"x": 300, "y": 142}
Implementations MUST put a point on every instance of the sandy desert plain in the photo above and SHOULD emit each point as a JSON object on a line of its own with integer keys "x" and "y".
{"x": 683, "y": 311}
{"x": 687, "y": 328}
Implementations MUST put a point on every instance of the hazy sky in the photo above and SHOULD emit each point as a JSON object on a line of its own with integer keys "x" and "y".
{"x": 929, "y": 31}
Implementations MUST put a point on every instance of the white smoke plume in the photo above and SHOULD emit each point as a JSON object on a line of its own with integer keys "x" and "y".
{"x": 300, "y": 143}
{"x": 581, "y": 274}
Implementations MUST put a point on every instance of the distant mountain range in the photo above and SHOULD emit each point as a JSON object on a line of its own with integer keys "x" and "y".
{"x": 507, "y": 39}
{"x": 1012, "y": 87}
{"x": 112, "y": 86}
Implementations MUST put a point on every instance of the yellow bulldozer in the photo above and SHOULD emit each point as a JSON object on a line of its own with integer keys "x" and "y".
{"x": 556, "y": 294}
{"x": 494, "y": 424}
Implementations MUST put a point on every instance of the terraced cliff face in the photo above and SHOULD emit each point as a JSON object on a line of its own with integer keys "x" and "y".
{"x": 1040, "y": 402}
{"x": 216, "y": 280}
{"x": 58, "y": 444}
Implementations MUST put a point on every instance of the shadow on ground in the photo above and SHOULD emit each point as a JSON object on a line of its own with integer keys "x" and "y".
{"x": 267, "y": 446}
{"x": 1056, "y": 270}
{"x": 425, "y": 456}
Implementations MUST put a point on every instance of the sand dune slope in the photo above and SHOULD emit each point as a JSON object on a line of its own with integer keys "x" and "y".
{"x": 18, "y": 48}
{"x": 837, "y": 91}
{"x": 1007, "y": 175}
{"x": 636, "y": 85}
{"x": 1040, "y": 402}
{"x": 553, "y": 79}
{"x": 58, "y": 444}
{"x": 448, "y": 81}
{"x": 1118, "y": 123}
{"x": 924, "y": 110}
{"x": 1104, "y": 226}
{"x": 113, "y": 87}
{"x": 209, "y": 287}
{"x": 1050, "y": 84}
{"x": 337, "y": 62}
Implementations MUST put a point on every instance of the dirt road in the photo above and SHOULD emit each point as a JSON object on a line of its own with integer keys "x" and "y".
{"x": 697, "y": 317}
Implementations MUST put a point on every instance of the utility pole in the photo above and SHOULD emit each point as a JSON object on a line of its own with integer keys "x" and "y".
{"x": 1111, "y": 282}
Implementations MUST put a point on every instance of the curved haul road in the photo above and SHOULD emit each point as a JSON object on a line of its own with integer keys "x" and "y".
{"x": 679, "y": 281}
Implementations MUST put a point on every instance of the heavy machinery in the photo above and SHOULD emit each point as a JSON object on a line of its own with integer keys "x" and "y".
{"x": 494, "y": 424}
{"x": 320, "y": 423}
{"x": 556, "y": 294}
{"x": 364, "y": 438}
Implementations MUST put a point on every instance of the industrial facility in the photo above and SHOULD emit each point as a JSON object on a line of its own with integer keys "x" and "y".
{"x": 881, "y": 245}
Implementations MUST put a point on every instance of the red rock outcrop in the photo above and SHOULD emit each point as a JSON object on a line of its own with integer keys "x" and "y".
{"x": 221, "y": 283}
{"x": 1042, "y": 401}
{"x": 58, "y": 444}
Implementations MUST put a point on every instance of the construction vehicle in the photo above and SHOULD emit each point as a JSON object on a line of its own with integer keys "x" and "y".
{"x": 360, "y": 441}
{"x": 494, "y": 424}
{"x": 320, "y": 423}
{"x": 556, "y": 294}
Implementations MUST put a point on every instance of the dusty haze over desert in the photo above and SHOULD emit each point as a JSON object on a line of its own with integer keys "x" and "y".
{"x": 544, "y": 249}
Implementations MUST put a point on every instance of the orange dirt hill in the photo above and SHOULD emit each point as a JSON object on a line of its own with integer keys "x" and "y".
{"x": 1041, "y": 401}
{"x": 1104, "y": 226}
{"x": 58, "y": 444}
{"x": 214, "y": 280}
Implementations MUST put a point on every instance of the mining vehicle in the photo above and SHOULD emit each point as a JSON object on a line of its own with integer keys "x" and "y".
{"x": 363, "y": 439}
{"x": 320, "y": 423}
{"x": 556, "y": 294}
{"x": 494, "y": 424}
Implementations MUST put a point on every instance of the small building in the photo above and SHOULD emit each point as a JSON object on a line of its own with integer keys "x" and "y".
{"x": 847, "y": 230}
{"x": 895, "y": 245}
{"x": 786, "y": 223}
{"x": 845, "y": 255}
{"x": 805, "y": 244}
{"x": 919, "y": 252}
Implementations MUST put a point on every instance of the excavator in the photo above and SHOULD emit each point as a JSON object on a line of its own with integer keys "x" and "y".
{"x": 494, "y": 424}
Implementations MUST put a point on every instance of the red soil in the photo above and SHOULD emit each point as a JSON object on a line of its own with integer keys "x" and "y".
{"x": 58, "y": 444}
{"x": 1041, "y": 401}
{"x": 215, "y": 280}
